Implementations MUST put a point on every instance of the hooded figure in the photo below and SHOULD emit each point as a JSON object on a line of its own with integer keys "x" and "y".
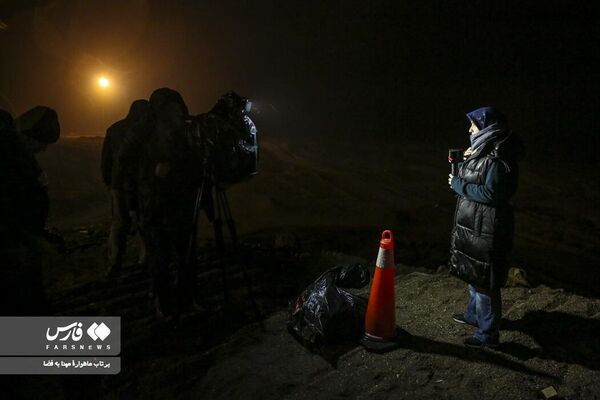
{"x": 124, "y": 200}
{"x": 24, "y": 195}
{"x": 168, "y": 103}
{"x": 168, "y": 175}
{"x": 40, "y": 123}
{"x": 483, "y": 224}
{"x": 115, "y": 134}
{"x": 24, "y": 207}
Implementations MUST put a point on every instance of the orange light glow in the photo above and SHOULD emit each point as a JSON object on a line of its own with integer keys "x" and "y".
{"x": 103, "y": 82}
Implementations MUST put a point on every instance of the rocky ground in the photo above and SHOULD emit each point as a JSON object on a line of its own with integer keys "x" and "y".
{"x": 241, "y": 349}
{"x": 311, "y": 208}
{"x": 549, "y": 338}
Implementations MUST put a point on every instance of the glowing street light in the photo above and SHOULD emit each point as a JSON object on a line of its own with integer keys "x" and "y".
{"x": 103, "y": 82}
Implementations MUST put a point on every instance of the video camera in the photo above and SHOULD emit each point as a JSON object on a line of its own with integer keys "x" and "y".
{"x": 226, "y": 139}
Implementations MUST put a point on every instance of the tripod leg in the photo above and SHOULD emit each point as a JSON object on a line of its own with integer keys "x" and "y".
{"x": 191, "y": 250}
{"x": 220, "y": 242}
{"x": 218, "y": 223}
{"x": 231, "y": 225}
{"x": 229, "y": 219}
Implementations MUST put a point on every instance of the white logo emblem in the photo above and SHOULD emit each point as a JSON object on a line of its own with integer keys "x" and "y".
{"x": 96, "y": 331}
{"x": 73, "y": 331}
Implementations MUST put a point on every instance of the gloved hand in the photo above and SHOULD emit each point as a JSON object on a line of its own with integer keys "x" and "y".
{"x": 467, "y": 153}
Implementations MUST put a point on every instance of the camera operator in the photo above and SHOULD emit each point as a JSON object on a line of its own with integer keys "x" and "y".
{"x": 168, "y": 175}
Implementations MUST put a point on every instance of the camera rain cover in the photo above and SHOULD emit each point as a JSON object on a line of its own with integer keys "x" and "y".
{"x": 229, "y": 144}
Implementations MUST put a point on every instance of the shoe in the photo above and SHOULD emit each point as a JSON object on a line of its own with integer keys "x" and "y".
{"x": 474, "y": 342}
{"x": 460, "y": 318}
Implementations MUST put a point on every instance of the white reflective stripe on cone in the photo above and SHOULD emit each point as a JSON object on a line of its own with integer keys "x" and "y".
{"x": 385, "y": 258}
{"x": 374, "y": 337}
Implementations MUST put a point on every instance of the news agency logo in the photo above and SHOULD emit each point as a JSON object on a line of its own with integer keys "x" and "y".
{"x": 74, "y": 333}
{"x": 96, "y": 331}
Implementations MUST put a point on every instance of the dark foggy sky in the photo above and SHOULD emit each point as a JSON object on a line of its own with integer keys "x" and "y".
{"x": 336, "y": 68}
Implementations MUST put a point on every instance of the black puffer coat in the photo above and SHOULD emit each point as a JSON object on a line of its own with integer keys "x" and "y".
{"x": 484, "y": 225}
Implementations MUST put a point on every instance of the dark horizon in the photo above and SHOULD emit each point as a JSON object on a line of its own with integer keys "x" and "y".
{"x": 375, "y": 71}
{"x": 221, "y": 263}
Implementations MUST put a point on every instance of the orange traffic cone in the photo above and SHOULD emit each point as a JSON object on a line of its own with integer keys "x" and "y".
{"x": 381, "y": 333}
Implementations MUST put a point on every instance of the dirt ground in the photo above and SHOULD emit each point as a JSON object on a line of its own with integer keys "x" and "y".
{"x": 313, "y": 206}
{"x": 350, "y": 192}
{"x": 549, "y": 338}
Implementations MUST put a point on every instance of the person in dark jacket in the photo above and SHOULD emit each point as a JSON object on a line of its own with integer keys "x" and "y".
{"x": 483, "y": 223}
{"x": 124, "y": 207}
{"x": 167, "y": 180}
{"x": 24, "y": 207}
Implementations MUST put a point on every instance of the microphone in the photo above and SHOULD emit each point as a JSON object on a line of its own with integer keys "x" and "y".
{"x": 455, "y": 156}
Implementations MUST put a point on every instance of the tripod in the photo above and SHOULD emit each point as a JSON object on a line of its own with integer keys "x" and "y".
{"x": 222, "y": 212}
{"x": 218, "y": 211}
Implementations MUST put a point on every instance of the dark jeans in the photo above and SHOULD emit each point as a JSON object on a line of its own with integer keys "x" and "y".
{"x": 168, "y": 248}
{"x": 120, "y": 229}
{"x": 485, "y": 310}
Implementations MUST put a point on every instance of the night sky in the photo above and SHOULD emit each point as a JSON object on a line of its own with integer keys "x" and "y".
{"x": 341, "y": 69}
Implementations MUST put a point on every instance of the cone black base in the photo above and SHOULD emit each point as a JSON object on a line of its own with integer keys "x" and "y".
{"x": 374, "y": 345}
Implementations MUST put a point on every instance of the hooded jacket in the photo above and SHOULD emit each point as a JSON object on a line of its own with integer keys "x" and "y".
{"x": 483, "y": 222}
{"x": 159, "y": 198}
{"x": 115, "y": 136}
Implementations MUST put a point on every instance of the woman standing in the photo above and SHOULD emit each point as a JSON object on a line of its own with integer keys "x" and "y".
{"x": 483, "y": 222}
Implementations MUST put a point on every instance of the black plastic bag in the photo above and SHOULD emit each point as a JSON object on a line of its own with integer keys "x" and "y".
{"x": 326, "y": 313}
